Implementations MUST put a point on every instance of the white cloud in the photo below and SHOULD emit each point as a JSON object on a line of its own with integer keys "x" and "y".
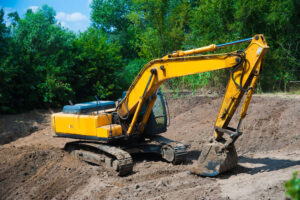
{"x": 73, "y": 17}
{"x": 7, "y": 10}
{"x": 75, "y": 21}
{"x": 33, "y": 8}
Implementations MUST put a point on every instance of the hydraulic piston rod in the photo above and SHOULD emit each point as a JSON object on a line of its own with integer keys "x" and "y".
{"x": 208, "y": 48}
{"x": 233, "y": 43}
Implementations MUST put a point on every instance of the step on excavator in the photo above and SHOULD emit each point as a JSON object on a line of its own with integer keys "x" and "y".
{"x": 108, "y": 133}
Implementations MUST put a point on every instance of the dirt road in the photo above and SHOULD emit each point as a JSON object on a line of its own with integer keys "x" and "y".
{"x": 34, "y": 166}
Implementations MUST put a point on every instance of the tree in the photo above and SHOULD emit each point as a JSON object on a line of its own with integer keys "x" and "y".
{"x": 279, "y": 21}
{"x": 160, "y": 26}
{"x": 4, "y": 73}
{"x": 43, "y": 64}
{"x": 98, "y": 63}
{"x": 3, "y": 35}
{"x": 38, "y": 67}
{"x": 46, "y": 47}
{"x": 111, "y": 18}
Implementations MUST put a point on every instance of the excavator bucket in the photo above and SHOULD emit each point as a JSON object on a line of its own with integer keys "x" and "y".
{"x": 215, "y": 158}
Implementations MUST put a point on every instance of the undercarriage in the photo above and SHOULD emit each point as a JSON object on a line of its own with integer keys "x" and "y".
{"x": 118, "y": 156}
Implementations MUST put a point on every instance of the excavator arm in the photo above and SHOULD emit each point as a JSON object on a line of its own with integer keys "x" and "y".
{"x": 246, "y": 67}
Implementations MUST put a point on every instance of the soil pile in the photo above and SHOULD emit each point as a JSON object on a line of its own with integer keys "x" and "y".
{"x": 34, "y": 166}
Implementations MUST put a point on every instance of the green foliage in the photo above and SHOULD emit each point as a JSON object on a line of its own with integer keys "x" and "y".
{"x": 131, "y": 70}
{"x": 111, "y": 17}
{"x": 159, "y": 26}
{"x": 292, "y": 187}
{"x": 44, "y": 51}
{"x": 43, "y": 64}
{"x": 6, "y": 74}
{"x": 98, "y": 63}
{"x": 279, "y": 21}
{"x": 3, "y": 35}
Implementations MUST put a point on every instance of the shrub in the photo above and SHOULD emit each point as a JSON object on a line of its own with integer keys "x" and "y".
{"x": 292, "y": 187}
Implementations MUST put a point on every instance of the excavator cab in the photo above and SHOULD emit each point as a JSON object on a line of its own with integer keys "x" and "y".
{"x": 158, "y": 119}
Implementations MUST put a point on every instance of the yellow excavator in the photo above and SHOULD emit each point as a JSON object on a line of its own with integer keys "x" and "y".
{"x": 109, "y": 132}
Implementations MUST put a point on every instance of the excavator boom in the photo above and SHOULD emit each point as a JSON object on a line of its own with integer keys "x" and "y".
{"x": 246, "y": 68}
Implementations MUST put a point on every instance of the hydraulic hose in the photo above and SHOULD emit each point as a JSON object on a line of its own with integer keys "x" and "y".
{"x": 236, "y": 67}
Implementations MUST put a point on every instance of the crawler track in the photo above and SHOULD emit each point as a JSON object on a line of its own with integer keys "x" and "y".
{"x": 119, "y": 158}
{"x": 113, "y": 157}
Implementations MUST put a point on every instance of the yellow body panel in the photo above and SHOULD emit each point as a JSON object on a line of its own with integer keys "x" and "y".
{"x": 104, "y": 131}
{"x": 85, "y": 125}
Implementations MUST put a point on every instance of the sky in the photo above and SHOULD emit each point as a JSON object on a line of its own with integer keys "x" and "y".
{"x": 72, "y": 14}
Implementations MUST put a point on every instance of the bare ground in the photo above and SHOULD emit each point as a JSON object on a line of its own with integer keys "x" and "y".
{"x": 34, "y": 166}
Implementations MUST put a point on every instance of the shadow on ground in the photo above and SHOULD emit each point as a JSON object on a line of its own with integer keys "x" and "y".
{"x": 264, "y": 165}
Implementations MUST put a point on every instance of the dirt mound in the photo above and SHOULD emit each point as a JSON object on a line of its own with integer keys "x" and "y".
{"x": 34, "y": 166}
{"x": 39, "y": 173}
{"x": 272, "y": 122}
{"x": 13, "y": 127}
